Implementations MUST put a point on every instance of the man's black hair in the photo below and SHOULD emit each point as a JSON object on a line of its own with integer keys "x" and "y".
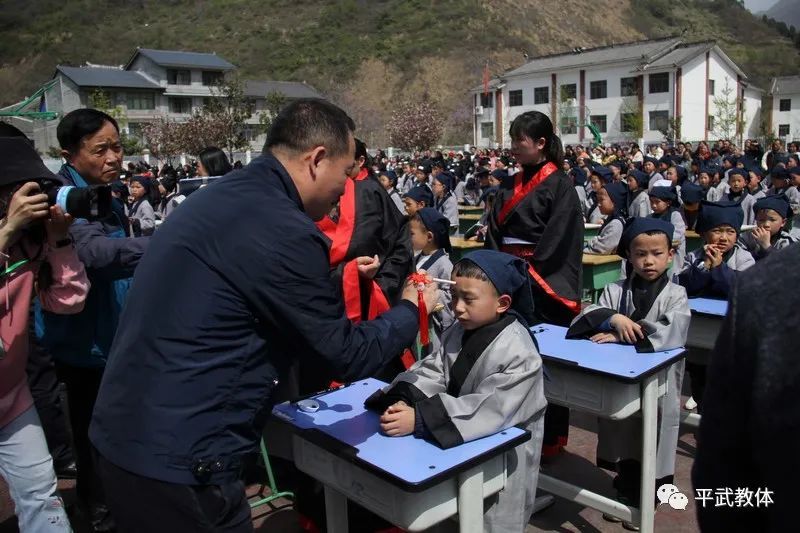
{"x": 310, "y": 122}
{"x": 78, "y": 124}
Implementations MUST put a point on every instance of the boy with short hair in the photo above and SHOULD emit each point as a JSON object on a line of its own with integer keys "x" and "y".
{"x": 737, "y": 178}
{"x": 486, "y": 377}
{"x": 444, "y": 201}
{"x": 612, "y": 200}
{"x": 692, "y": 195}
{"x": 417, "y": 198}
{"x": 638, "y": 182}
{"x": 710, "y": 193}
{"x": 663, "y": 201}
{"x": 388, "y": 178}
{"x": 652, "y": 313}
{"x": 430, "y": 241}
{"x": 769, "y": 234}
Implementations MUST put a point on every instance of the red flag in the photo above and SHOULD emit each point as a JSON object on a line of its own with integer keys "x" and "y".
{"x": 486, "y": 79}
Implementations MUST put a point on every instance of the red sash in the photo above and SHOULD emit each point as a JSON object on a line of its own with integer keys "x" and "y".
{"x": 521, "y": 191}
{"x": 341, "y": 234}
{"x": 524, "y": 251}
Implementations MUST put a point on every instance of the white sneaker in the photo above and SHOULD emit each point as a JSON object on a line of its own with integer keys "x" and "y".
{"x": 690, "y": 404}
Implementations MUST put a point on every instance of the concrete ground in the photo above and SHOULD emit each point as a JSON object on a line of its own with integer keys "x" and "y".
{"x": 576, "y": 465}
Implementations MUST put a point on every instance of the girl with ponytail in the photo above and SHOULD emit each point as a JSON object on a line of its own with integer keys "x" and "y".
{"x": 538, "y": 218}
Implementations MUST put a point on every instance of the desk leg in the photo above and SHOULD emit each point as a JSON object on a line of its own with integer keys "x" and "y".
{"x": 470, "y": 501}
{"x": 649, "y": 429}
{"x": 335, "y": 510}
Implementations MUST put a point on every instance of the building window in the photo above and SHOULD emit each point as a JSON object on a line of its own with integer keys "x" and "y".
{"x": 541, "y": 95}
{"x": 212, "y": 78}
{"x": 515, "y": 98}
{"x": 135, "y": 129}
{"x": 487, "y": 130}
{"x": 598, "y": 89}
{"x": 710, "y": 123}
{"x": 785, "y": 104}
{"x": 783, "y": 130}
{"x": 141, "y": 101}
{"x": 628, "y": 122}
{"x": 179, "y": 77}
{"x": 711, "y": 86}
{"x": 600, "y": 122}
{"x": 487, "y": 100}
{"x": 180, "y": 105}
{"x": 569, "y": 125}
{"x": 659, "y": 120}
{"x": 659, "y": 83}
{"x": 569, "y": 91}
{"x": 627, "y": 87}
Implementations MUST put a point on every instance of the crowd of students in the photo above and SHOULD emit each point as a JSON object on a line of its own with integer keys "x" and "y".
{"x": 238, "y": 264}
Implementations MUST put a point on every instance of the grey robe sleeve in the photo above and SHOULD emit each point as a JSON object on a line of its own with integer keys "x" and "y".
{"x": 588, "y": 322}
{"x": 607, "y": 240}
{"x": 425, "y": 378}
{"x": 146, "y": 217}
{"x": 450, "y": 209}
{"x": 672, "y": 327}
{"x": 513, "y": 393}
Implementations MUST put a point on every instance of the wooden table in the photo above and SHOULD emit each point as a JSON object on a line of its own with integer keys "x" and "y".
{"x": 461, "y": 247}
{"x": 599, "y": 271}
{"x": 467, "y": 221}
{"x": 590, "y": 230}
{"x": 470, "y": 210}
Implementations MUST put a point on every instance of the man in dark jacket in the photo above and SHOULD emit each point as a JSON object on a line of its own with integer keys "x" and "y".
{"x": 750, "y": 430}
{"x": 235, "y": 287}
{"x": 81, "y": 343}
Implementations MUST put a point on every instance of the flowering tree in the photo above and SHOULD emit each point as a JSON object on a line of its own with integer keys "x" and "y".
{"x": 415, "y": 125}
{"x": 163, "y": 138}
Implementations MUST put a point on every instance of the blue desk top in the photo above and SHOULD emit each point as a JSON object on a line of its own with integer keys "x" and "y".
{"x": 709, "y": 306}
{"x": 618, "y": 361}
{"x": 344, "y": 427}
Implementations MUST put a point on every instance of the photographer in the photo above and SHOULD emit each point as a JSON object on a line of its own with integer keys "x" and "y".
{"x": 81, "y": 343}
{"x": 37, "y": 255}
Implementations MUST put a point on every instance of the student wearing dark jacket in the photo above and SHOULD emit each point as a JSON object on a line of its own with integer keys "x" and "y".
{"x": 188, "y": 386}
{"x": 81, "y": 343}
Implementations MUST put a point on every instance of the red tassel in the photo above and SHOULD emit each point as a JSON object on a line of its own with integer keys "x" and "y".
{"x": 420, "y": 280}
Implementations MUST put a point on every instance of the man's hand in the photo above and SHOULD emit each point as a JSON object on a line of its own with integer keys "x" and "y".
{"x": 368, "y": 266}
{"x": 430, "y": 293}
{"x": 27, "y": 205}
{"x": 713, "y": 256}
{"x": 398, "y": 420}
{"x": 626, "y": 329}
{"x": 762, "y": 237}
{"x": 57, "y": 225}
{"x": 604, "y": 338}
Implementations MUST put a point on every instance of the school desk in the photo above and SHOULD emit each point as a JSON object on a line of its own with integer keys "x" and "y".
{"x": 590, "y": 230}
{"x": 611, "y": 381}
{"x": 599, "y": 271}
{"x": 469, "y": 210}
{"x": 408, "y": 481}
{"x": 461, "y": 246}
{"x": 707, "y": 317}
{"x": 467, "y": 221}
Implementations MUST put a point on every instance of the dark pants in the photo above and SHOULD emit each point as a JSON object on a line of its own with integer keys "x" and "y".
{"x": 697, "y": 379}
{"x": 82, "y": 387}
{"x": 44, "y": 386}
{"x": 140, "y": 504}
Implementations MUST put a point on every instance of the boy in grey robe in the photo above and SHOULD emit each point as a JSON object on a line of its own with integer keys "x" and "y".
{"x": 652, "y": 313}
{"x": 613, "y": 200}
{"x": 770, "y": 233}
{"x": 639, "y": 201}
{"x": 486, "y": 377}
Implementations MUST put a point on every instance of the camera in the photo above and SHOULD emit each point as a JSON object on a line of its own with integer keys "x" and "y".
{"x": 80, "y": 202}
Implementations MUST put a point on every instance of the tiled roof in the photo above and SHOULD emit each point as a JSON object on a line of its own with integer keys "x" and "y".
{"x": 106, "y": 77}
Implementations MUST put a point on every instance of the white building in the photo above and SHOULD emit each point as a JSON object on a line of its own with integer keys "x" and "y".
{"x": 153, "y": 84}
{"x": 626, "y": 92}
{"x": 785, "y": 107}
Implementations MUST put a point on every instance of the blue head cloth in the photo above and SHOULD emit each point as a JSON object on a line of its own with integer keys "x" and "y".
{"x": 642, "y": 178}
{"x": 619, "y": 196}
{"x": 738, "y": 172}
{"x": 578, "y": 175}
{"x": 446, "y": 179}
{"x": 665, "y": 193}
{"x": 604, "y": 173}
{"x": 711, "y": 169}
{"x": 715, "y": 214}
{"x": 682, "y": 173}
{"x": 420, "y": 193}
{"x": 651, "y": 159}
{"x": 776, "y": 202}
{"x": 756, "y": 170}
{"x": 779, "y": 173}
{"x": 143, "y": 181}
{"x": 691, "y": 193}
{"x": 732, "y": 159}
{"x": 638, "y": 225}
{"x": 509, "y": 275}
{"x": 667, "y": 160}
{"x": 502, "y": 176}
{"x": 794, "y": 171}
{"x": 391, "y": 174}
{"x": 438, "y": 224}
{"x": 619, "y": 164}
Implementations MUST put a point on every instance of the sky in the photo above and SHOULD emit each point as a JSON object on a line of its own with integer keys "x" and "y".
{"x": 759, "y": 5}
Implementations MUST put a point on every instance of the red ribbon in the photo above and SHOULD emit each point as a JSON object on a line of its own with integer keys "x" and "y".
{"x": 521, "y": 191}
{"x": 420, "y": 280}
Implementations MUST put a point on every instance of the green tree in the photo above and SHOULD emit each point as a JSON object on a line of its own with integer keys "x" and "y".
{"x": 726, "y": 112}
{"x": 228, "y": 110}
{"x": 274, "y": 102}
{"x": 101, "y": 100}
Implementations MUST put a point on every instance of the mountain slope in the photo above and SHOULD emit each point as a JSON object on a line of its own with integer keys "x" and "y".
{"x": 367, "y": 54}
{"x": 787, "y": 11}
